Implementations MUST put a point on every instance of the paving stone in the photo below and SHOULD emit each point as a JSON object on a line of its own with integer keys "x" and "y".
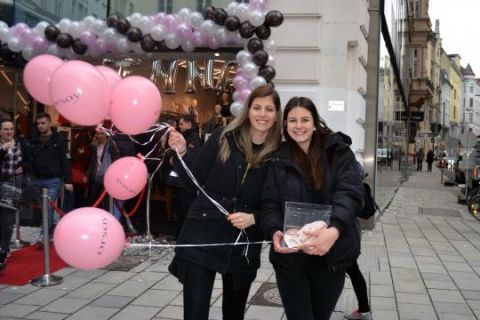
{"x": 136, "y": 312}
{"x": 264, "y": 313}
{"x": 92, "y": 312}
{"x": 65, "y": 305}
{"x": 452, "y": 308}
{"x": 171, "y": 312}
{"x": 407, "y": 280}
{"x": 112, "y": 301}
{"x": 90, "y": 291}
{"x": 416, "y": 311}
{"x": 382, "y": 291}
{"x": 41, "y": 297}
{"x": 155, "y": 298}
{"x": 413, "y": 298}
{"x": 471, "y": 295}
{"x": 16, "y": 310}
{"x": 169, "y": 283}
{"x": 129, "y": 288}
{"x": 446, "y": 296}
{"x": 382, "y": 303}
{"x": 8, "y": 297}
{"x": 114, "y": 277}
{"x": 41, "y": 315}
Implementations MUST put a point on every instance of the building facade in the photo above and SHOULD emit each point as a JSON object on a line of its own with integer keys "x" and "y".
{"x": 470, "y": 101}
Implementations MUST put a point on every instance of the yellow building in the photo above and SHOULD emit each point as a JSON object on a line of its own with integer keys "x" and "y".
{"x": 455, "y": 76}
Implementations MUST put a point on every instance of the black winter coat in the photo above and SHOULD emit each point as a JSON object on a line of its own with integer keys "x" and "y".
{"x": 26, "y": 162}
{"x": 50, "y": 159}
{"x": 342, "y": 188}
{"x": 237, "y": 190}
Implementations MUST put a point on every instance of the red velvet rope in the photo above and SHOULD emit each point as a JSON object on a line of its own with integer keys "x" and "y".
{"x": 135, "y": 208}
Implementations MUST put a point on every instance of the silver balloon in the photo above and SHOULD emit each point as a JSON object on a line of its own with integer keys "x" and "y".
{"x": 144, "y": 24}
{"x": 53, "y": 49}
{"x": 184, "y": 14}
{"x": 4, "y": 34}
{"x": 236, "y": 108}
{"x": 158, "y": 33}
{"x": 40, "y": 27}
{"x": 3, "y": 24}
{"x": 64, "y": 24}
{"x": 192, "y": 74}
{"x": 208, "y": 75}
{"x": 109, "y": 35}
{"x": 169, "y": 82}
{"x": 269, "y": 46}
{"x": 98, "y": 26}
{"x": 14, "y": 44}
{"x": 222, "y": 36}
{"x": 172, "y": 41}
{"x": 208, "y": 28}
{"x": 188, "y": 46}
{"x": 88, "y": 21}
{"x": 196, "y": 19}
{"x": 28, "y": 53}
{"x": 256, "y": 18}
{"x": 122, "y": 45}
{"x": 271, "y": 60}
{"x": 223, "y": 79}
{"x": 249, "y": 70}
{"x": 243, "y": 12}
{"x": 232, "y": 8}
{"x": 243, "y": 57}
{"x": 257, "y": 82}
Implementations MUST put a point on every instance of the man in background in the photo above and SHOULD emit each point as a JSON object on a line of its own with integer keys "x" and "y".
{"x": 50, "y": 164}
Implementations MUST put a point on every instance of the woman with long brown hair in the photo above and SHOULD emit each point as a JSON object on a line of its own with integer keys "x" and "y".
{"x": 313, "y": 166}
{"x": 231, "y": 167}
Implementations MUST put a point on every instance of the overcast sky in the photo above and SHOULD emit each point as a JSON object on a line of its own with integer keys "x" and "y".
{"x": 459, "y": 29}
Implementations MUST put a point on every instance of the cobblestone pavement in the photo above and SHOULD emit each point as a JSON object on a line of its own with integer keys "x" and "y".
{"x": 422, "y": 261}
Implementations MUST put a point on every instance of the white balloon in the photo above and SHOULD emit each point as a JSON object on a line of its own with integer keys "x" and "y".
{"x": 28, "y": 53}
{"x": 188, "y": 46}
{"x": 196, "y": 19}
{"x": 40, "y": 27}
{"x": 4, "y": 34}
{"x": 144, "y": 24}
{"x": 243, "y": 57}
{"x": 53, "y": 49}
{"x": 3, "y": 24}
{"x": 236, "y": 95}
{"x": 257, "y": 82}
{"x": 135, "y": 19}
{"x": 109, "y": 35}
{"x": 222, "y": 36}
{"x": 122, "y": 45}
{"x": 256, "y": 18}
{"x": 232, "y": 8}
{"x": 249, "y": 70}
{"x": 269, "y": 46}
{"x": 243, "y": 12}
{"x": 236, "y": 108}
{"x": 271, "y": 61}
{"x": 64, "y": 24}
{"x": 172, "y": 41}
{"x": 75, "y": 30}
{"x": 98, "y": 26}
{"x": 14, "y": 44}
{"x": 184, "y": 14}
{"x": 88, "y": 20}
{"x": 158, "y": 33}
{"x": 208, "y": 28}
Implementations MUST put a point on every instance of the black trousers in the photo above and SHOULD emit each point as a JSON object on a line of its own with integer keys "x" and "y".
{"x": 359, "y": 286}
{"x": 7, "y": 221}
{"x": 313, "y": 294}
{"x": 197, "y": 292}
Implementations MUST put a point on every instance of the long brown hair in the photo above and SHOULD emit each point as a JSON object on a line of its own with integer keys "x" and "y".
{"x": 311, "y": 162}
{"x": 241, "y": 125}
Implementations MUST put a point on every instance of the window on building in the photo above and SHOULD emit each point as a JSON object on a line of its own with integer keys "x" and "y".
{"x": 471, "y": 88}
{"x": 165, "y": 6}
{"x": 202, "y": 4}
{"x": 58, "y": 7}
{"x": 470, "y": 117}
{"x": 454, "y": 93}
{"x": 471, "y": 102}
{"x": 417, "y": 9}
{"x": 131, "y": 8}
{"x": 415, "y": 63}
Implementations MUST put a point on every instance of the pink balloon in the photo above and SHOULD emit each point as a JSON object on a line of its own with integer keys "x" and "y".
{"x": 125, "y": 178}
{"x": 110, "y": 75}
{"x": 37, "y": 76}
{"x": 80, "y": 93}
{"x": 136, "y": 104}
{"x": 89, "y": 238}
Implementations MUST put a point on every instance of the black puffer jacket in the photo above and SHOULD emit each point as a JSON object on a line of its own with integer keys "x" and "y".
{"x": 342, "y": 188}
{"x": 237, "y": 190}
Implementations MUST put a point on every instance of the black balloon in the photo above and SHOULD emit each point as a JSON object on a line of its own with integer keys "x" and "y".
{"x": 134, "y": 34}
{"x": 79, "y": 47}
{"x": 254, "y": 45}
{"x": 123, "y": 25}
{"x": 263, "y": 32}
{"x": 232, "y": 23}
{"x": 148, "y": 43}
{"x": 220, "y": 16}
{"x": 267, "y": 72}
{"x": 246, "y": 29}
{"x": 64, "y": 40}
{"x": 260, "y": 58}
{"x": 51, "y": 33}
{"x": 161, "y": 46}
{"x": 274, "y": 18}
{"x": 208, "y": 12}
{"x": 112, "y": 21}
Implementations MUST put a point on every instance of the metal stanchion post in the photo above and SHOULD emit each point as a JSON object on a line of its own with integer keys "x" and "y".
{"x": 147, "y": 209}
{"x": 47, "y": 279}
{"x": 18, "y": 242}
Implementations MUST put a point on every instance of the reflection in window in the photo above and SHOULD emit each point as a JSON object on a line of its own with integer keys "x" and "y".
{"x": 165, "y": 6}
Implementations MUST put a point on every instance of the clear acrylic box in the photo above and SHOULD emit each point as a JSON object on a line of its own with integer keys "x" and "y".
{"x": 301, "y": 216}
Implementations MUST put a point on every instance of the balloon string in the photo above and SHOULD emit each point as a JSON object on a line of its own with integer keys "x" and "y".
{"x": 150, "y": 245}
{"x": 100, "y": 199}
{"x": 195, "y": 181}
{"x": 135, "y": 208}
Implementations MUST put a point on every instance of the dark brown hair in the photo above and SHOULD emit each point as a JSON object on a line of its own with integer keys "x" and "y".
{"x": 311, "y": 162}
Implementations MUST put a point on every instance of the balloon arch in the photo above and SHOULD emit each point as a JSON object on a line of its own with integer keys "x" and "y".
{"x": 241, "y": 27}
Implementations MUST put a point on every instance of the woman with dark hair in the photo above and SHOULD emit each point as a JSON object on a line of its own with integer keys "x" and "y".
{"x": 15, "y": 160}
{"x": 231, "y": 167}
{"x": 313, "y": 165}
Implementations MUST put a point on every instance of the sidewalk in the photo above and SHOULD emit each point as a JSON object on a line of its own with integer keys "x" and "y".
{"x": 422, "y": 261}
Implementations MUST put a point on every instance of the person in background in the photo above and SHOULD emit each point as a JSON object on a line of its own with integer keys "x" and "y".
{"x": 15, "y": 160}
{"x": 313, "y": 165}
{"x": 225, "y": 104}
{"x": 430, "y": 160}
{"x": 50, "y": 165}
{"x": 184, "y": 197}
{"x": 106, "y": 150}
{"x": 216, "y": 121}
{"x": 231, "y": 168}
{"x": 420, "y": 156}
